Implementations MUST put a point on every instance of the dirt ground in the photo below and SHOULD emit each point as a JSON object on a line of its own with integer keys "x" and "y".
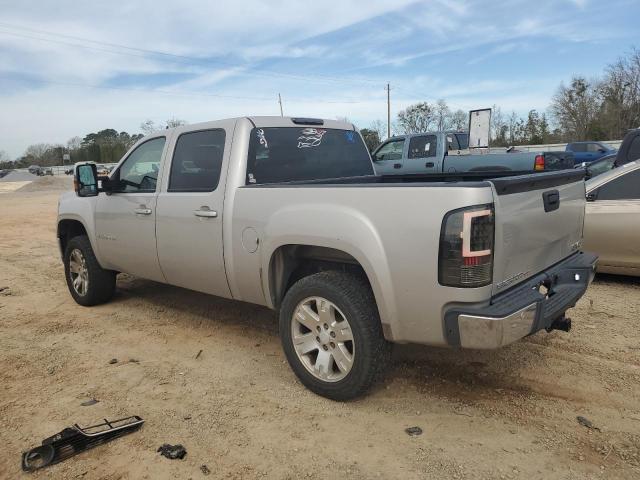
{"x": 238, "y": 409}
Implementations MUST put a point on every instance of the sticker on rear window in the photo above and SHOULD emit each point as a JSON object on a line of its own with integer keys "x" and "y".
{"x": 262, "y": 138}
{"x": 310, "y": 137}
{"x": 350, "y": 136}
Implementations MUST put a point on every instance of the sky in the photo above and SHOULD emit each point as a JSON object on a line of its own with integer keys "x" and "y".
{"x": 68, "y": 68}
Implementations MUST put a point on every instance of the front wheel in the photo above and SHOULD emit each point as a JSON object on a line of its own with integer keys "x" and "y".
{"x": 332, "y": 336}
{"x": 89, "y": 284}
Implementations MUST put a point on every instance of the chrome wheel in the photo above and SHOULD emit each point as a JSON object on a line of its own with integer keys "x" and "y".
{"x": 322, "y": 339}
{"x": 78, "y": 272}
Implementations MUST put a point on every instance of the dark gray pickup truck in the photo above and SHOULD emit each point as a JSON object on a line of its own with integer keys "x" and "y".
{"x": 448, "y": 152}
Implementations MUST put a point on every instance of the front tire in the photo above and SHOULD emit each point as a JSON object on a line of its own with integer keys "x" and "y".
{"x": 332, "y": 336}
{"x": 89, "y": 284}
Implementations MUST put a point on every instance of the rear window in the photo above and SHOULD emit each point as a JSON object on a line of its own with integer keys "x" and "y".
{"x": 284, "y": 154}
{"x": 578, "y": 147}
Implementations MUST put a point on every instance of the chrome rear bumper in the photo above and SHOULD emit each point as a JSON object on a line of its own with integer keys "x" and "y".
{"x": 523, "y": 309}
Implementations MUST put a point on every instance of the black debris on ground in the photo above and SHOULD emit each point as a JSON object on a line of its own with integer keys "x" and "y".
{"x": 5, "y": 291}
{"x": 172, "y": 451}
{"x": 113, "y": 361}
{"x": 90, "y": 402}
{"x": 413, "y": 431}
{"x": 205, "y": 470}
{"x": 585, "y": 422}
{"x": 198, "y": 354}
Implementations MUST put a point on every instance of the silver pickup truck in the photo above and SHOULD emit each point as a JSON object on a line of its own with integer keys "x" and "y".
{"x": 288, "y": 213}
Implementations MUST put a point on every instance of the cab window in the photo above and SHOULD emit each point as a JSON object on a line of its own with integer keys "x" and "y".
{"x": 391, "y": 150}
{"x": 423, "y": 146}
{"x": 197, "y": 161}
{"x": 139, "y": 172}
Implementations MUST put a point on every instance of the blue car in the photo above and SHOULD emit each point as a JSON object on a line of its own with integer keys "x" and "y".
{"x": 589, "y": 151}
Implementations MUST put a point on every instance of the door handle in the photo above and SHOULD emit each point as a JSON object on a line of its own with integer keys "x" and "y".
{"x": 143, "y": 211}
{"x": 205, "y": 213}
{"x": 397, "y": 165}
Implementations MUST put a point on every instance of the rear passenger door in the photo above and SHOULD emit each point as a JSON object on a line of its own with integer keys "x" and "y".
{"x": 189, "y": 211}
{"x": 422, "y": 156}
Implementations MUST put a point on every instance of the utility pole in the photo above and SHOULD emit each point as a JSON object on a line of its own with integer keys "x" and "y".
{"x": 280, "y": 102}
{"x": 388, "y": 110}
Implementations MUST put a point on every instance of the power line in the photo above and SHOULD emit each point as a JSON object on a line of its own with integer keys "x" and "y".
{"x": 182, "y": 59}
{"x": 181, "y": 93}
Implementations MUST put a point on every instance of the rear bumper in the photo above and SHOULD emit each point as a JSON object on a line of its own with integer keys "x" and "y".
{"x": 523, "y": 309}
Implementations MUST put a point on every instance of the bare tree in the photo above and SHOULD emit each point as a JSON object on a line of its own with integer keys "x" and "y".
{"x": 460, "y": 120}
{"x": 416, "y": 118}
{"x": 380, "y": 128}
{"x": 442, "y": 115}
{"x": 148, "y": 126}
{"x": 575, "y": 108}
{"x": 74, "y": 143}
{"x": 174, "y": 122}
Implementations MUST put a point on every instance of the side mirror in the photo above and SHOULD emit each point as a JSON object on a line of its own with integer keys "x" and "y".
{"x": 85, "y": 180}
{"x": 374, "y": 158}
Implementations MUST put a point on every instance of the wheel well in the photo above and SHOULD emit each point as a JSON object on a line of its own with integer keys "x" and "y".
{"x": 290, "y": 263}
{"x": 67, "y": 229}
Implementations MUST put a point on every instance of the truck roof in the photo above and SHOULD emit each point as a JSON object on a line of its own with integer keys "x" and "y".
{"x": 277, "y": 121}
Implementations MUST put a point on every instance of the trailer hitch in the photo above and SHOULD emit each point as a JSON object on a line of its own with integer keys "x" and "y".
{"x": 75, "y": 439}
{"x": 561, "y": 323}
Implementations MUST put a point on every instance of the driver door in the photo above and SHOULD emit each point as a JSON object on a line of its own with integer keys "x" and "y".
{"x": 388, "y": 158}
{"x": 126, "y": 218}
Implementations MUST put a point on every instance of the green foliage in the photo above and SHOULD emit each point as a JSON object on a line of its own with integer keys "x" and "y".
{"x": 371, "y": 138}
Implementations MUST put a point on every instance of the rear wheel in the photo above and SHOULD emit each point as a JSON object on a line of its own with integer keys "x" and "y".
{"x": 89, "y": 284}
{"x": 331, "y": 334}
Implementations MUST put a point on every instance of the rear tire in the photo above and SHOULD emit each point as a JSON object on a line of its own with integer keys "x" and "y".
{"x": 89, "y": 284}
{"x": 332, "y": 336}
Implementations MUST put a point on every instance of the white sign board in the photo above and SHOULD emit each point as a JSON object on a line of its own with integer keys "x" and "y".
{"x": 66, "y": 157}
{"x": 479, "y": 128}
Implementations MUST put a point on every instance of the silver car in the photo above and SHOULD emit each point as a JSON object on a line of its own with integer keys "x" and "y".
{"x": 612, "y": 220}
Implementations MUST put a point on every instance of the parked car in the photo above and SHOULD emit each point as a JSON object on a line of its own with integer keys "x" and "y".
{"x": 5, "y": 172}
{"x": 35, "y": 170}
{"x": 612, "y": 219}
{"x": 47, "y": 171}
{"x": 437, "y": 152}
{"x": 593, "y": 169}
{"x": 588, "y": 151}
{"x": 287, "y": 213}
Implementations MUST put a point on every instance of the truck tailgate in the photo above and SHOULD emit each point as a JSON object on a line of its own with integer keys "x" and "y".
{"x": 539, "y": 221}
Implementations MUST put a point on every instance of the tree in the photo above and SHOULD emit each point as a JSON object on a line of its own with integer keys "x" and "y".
{"x": 371, "y": 138}
{"x": 459, "y": 120}
{"x": 442, "y": 115}
{"x": 575, "y": 108}
{"x": 174, "y": 122}
{"x": 380, "y": 128}
{"x": 148, "y": 126}
{"x": 416, "y": 118}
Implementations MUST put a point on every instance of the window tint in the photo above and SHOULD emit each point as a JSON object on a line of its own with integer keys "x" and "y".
{"x": 452, "y": 142}
{"x": 139, "y": 172}
{"x": 626, "y": 187}
{"x": 578, "y": 147}
{"x": 285, "y": 154}
{"x": 634, "y": 149}
{"x": 423, "y": 146}
{"x": 595, "y": 147}
{"x": 197, "y": 161}
{"x": 391, "y": 150}
{"x": 463, "y": 140}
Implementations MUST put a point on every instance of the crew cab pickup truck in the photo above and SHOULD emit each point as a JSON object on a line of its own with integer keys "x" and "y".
{"x": 437, "y": 152}
{"x": 587, "y": 152}
{"x": 288, "y": 213}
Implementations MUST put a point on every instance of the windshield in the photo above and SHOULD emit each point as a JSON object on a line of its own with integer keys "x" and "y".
{"x": 284, "y": 154}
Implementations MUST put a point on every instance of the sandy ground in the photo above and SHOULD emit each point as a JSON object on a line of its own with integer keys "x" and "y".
{"x": 238, "y": 408}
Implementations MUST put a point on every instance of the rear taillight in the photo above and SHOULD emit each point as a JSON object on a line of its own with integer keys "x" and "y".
{"x": 539, "y": 163}
{"x": 466, "y": 247}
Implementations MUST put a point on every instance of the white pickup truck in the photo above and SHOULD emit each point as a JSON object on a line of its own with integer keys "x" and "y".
{"x": 288, "y": 213}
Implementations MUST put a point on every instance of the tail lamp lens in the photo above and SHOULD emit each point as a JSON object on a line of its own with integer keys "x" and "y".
{"x": 466, "y": 247}
{"x": 539, "y": 163}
